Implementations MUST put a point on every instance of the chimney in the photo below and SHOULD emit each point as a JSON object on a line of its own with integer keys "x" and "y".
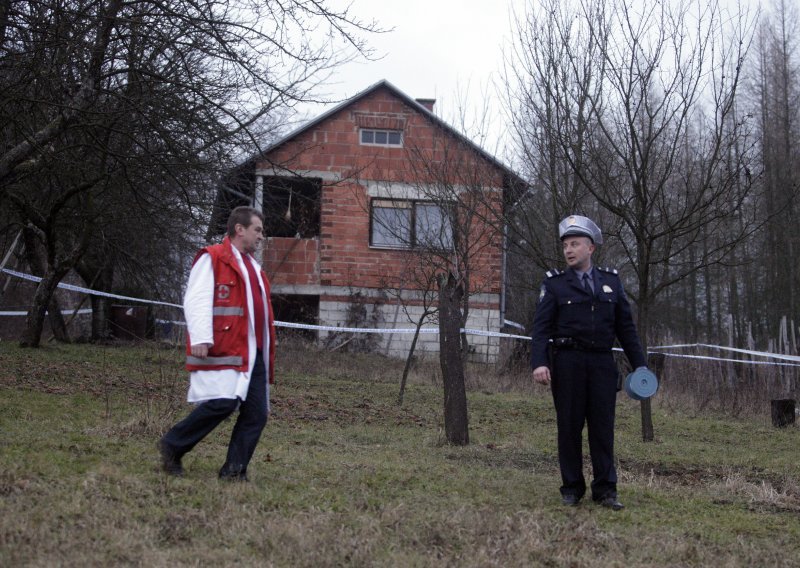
{"x": 427, "y": 103}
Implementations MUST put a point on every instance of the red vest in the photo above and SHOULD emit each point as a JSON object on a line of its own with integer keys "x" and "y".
{"x": 230, "y": 316}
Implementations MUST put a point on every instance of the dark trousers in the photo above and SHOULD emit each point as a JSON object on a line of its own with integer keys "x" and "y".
{"x": 584, "y": 389}
{"x": 208, "y": 415}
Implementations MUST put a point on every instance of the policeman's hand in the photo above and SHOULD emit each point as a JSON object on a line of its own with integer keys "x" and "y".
{"x": 201, "y": 350}
{"x": 541, "y": 375}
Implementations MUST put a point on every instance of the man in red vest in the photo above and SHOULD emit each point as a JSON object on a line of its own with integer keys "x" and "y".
{"x": 230, "y": 347}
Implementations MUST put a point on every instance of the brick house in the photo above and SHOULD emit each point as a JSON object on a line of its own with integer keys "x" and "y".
{"x": 364, "y": 204}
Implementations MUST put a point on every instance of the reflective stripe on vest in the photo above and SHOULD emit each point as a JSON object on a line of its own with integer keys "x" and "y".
{"x": 233, "y": 360}
{"x": 228, "y": 311}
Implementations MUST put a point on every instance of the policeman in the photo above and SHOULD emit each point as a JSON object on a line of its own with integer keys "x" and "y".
{"x": 580, "y": 312}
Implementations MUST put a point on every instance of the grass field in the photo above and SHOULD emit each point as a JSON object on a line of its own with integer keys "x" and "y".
{"x": 345, "y": 477}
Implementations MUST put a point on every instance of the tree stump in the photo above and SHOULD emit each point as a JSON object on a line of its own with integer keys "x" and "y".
{"x": 783, "y": 412}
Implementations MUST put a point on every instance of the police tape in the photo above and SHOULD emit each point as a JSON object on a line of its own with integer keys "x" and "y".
{"x": 386, "y": 330}
{"x": 780, "y": 356}
{"x": 72, "y": 288}
{"x": 727, "y": 360}
{"x": 80, "y": 289}
{"x": 429, "y": 330}
{"x": 82, "y": 311}
{"x": 391, "y": 330}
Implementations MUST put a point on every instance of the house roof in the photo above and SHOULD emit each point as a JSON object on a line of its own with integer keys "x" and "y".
{"x": 229, "y": 187}
{"x": 407, "y": 100}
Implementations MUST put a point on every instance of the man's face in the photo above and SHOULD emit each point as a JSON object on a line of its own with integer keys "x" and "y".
{"x": 578, "y": 252}
{"x": 250, "y": 237}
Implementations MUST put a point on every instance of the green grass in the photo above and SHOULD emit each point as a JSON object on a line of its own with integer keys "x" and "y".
{"x": 343, "y": 476}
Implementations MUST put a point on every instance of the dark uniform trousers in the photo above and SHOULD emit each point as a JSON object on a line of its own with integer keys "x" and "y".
{"x": 585, "y": 390}
{"x": 246, "y": 432}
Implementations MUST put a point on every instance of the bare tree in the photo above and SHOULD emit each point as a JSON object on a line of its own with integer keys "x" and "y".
{"x": 414, "y": 292}
{"x": 136, "y": 105}
{"x": 776, "y": 94}
{"x": 448, "y": 216}
{"x": 636, "y": 120}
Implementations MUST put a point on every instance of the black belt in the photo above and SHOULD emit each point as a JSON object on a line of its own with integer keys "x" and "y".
{"x": 570, "y": 343}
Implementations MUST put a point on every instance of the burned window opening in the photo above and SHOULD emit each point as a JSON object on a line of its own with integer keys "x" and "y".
{"x": 292, "y": 207}
{"x": 297, "y": 308}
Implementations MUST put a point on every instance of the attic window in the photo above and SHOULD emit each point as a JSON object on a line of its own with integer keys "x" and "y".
{"x": 375, "y": 137}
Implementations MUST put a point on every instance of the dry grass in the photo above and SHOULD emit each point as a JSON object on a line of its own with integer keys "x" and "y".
{"x": 343, "y": 476}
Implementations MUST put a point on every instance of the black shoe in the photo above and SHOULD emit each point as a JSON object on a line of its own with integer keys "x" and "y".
{"x": 170, "y": 460}
{"x": 611, "y": 502}
{"x": 233, "y": 474}
{"x": 232, "y": 477}
{"x": 570, "y": 499}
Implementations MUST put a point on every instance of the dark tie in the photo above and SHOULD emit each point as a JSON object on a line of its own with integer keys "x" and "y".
{"x": 587, "y": 283}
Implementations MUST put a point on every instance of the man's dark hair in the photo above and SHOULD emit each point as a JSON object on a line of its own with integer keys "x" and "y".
{"x": 242, "y": 215}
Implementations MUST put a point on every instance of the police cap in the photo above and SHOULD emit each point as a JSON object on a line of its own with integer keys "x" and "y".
{"x": 582, "y": 226}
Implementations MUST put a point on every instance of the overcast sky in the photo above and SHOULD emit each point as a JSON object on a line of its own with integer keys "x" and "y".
{"x": 442, "y": 49}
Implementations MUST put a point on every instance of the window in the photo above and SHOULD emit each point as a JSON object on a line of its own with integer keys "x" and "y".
{"x": 410, "y": 224}
{"x": 432, "y": 227}
{"x": 373, "y": 137}
{"x": 292, "y": 206}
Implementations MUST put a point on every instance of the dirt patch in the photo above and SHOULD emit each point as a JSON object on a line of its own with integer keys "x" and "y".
{"x": 695, "y": 475}
{"x": 305, "y": 408}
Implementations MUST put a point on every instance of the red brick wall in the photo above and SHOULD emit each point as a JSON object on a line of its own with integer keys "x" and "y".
{"x": 291, "y": 261}
{"x": 345, "y": 258}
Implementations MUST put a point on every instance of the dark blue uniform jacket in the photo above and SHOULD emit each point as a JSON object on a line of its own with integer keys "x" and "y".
{"x": 565, "y": 309}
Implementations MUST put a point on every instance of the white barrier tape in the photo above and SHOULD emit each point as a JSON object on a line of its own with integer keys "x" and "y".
{"x": 422, "y": 330}
{"x": 514, "y": 324}
{"x": 493, "y": 334}
{"x": 277, "y": 323}
{"x": 354, "y": 329}
{"x": 72, "y": 288}
{"x": 63, "y": 312}
{"x": 183, "y": 323}
{"x": 392, "y": 330}
{"x": 388, "y": 330}
{"x": 741, "y": 361}
{"x": 794, "y": 358}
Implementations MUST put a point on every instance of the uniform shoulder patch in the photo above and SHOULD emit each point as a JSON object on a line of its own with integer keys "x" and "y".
{"x": 553, "y": 272}
{"x": 608, "y": 269}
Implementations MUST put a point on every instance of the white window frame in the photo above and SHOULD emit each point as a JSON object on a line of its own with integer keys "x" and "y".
{"x": 410, "y": 205}
{"x": 375, "y": 132}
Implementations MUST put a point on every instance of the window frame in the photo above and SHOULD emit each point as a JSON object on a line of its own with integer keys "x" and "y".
{"x": 411, "y": 205}
{"x": 374, "y": 131}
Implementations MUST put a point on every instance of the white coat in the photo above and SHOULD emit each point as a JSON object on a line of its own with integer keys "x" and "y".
{"x": 197, "y": 306}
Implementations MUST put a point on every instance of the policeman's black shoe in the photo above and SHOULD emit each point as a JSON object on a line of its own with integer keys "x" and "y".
{"x": 234, "y": 477}
{"x": 570, "y": 499}
{"x": 611, "y": 502}
{"x": 232, "y": 474}
{"x": 170, "y": 459}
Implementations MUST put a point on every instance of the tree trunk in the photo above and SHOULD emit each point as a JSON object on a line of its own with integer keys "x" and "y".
{"x": 57, "y": 324}
{"x": 99, "y": 275}
{"x": 35, "y": 320}
{"x": 409, "y": 357}
{"x": 648, "y": 432}
{"x": 101, "y": 313}
{"x": 52, "y": 307}
{"x": 456, "y": 424}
